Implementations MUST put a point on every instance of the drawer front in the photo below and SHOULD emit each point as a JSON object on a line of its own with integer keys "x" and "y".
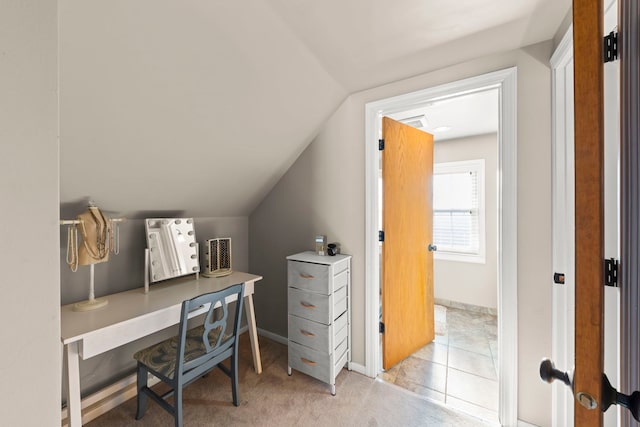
{"x": 309, "y": 333}
{"x": 308, "y": 276}
{"x": 309, "y": 305}
{"x": 310, "y": 361}
{"x": 339, "y": 302}
{"x": 317, "y": 335}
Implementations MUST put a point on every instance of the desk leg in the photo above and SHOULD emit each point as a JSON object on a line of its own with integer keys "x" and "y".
{"x": 253, "y": 332}
{"x": 72, "y": 360}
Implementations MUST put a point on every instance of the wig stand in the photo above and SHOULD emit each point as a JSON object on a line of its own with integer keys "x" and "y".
{"x": 92, "y": 303}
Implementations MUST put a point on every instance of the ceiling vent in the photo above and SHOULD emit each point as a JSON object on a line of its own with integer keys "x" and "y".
{"x": 419, "y": 122}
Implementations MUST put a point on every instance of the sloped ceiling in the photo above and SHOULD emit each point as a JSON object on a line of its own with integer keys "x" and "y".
{"x": 367, "y": 43}
{"x": 199, "y": 107}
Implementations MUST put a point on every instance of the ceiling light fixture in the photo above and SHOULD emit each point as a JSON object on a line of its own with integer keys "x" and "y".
{"x": 441, "y": 129}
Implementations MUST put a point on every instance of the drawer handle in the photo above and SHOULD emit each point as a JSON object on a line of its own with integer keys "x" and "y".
{"x": 306, "y": 276}
{"x": 307, "y": 361}
{"x": 307, "y": 305}
{"x": 307, "y": 333}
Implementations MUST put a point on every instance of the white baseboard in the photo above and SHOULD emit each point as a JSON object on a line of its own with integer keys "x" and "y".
{"x": 275, "y": 337}
{"x": 357, "y": 367}
{"x": 525, "y": 424}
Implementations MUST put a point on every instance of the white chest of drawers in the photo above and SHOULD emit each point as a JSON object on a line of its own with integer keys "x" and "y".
{"x": 319, "y": 301}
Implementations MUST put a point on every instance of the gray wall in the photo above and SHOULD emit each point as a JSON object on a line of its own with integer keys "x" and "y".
{"x": 324, "y": 192}
{"x": 30, "y": 327}
{"x": 468, "y": 282}
{"x": 126, "y": 271}
{"x": 316, "y": 196}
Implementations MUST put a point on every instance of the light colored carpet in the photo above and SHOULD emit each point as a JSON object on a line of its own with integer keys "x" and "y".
{"x": 275, "y": 399}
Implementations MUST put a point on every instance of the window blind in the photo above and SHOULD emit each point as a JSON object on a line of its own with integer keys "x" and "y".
{"x": 456, "y": 225}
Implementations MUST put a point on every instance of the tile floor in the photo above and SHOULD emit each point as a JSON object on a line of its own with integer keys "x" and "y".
{"x": 459, "y": 368}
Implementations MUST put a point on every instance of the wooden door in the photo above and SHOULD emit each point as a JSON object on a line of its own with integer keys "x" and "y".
{"x": 407, "y": 263}
{"x": 589, "y": 211}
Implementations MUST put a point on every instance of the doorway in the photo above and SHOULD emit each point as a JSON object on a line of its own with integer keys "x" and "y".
{"x": 505, "y": 83}
{"x": 459, "y": 367}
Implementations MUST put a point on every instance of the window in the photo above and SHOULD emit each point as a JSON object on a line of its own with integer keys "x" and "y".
{"x": 458, "y": 211}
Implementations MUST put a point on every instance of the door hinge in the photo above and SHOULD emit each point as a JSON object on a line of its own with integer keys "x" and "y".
{"x": 558, "y": 278}
{"x": 380, "y": 236}
{"x": 381, "y": 327}
{"x": 611, "y": 272}
{"x": 381, "y": 144}
{"x": 610, "y": 47}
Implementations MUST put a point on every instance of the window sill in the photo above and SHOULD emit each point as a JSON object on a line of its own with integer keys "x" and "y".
{"x": 459, "y": 257}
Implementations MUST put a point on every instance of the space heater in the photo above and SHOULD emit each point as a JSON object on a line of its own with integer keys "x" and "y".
{"x": 217, "y": 253}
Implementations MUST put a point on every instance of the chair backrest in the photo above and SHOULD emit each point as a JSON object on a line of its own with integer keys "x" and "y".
{"x": 195, "y": 346}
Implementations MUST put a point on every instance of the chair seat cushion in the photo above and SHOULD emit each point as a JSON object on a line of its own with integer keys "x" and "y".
{"x": 161, "y": 357}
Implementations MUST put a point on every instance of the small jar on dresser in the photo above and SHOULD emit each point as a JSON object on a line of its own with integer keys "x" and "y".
{"x": 319, "y": 301}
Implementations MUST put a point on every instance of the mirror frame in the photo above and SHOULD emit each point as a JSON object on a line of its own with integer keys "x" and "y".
{"x": 172, "y": 246}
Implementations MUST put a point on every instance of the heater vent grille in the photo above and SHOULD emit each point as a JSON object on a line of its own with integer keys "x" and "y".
{"x": 217, "y": 257}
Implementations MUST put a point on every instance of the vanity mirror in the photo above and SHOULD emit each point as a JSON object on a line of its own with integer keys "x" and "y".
{"x": 172, "y": 248}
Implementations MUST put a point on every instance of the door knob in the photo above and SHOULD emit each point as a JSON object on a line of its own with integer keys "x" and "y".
{"x": 432, "y": 247}
{"x": 610, "y": 396}
{"x": 549, "y": 373}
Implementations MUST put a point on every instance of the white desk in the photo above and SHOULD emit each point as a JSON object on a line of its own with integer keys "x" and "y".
{"x": 132, "y": 315}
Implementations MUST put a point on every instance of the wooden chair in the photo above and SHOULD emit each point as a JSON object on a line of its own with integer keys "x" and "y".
{"x": 180, "y": 360}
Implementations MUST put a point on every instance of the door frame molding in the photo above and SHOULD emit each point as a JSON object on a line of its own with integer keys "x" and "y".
{"x": 563, "y": 248}
{"x": 506, "y": 83}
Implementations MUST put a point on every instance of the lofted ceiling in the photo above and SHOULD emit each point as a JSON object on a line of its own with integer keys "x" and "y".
{"x": 201, "y": 106}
